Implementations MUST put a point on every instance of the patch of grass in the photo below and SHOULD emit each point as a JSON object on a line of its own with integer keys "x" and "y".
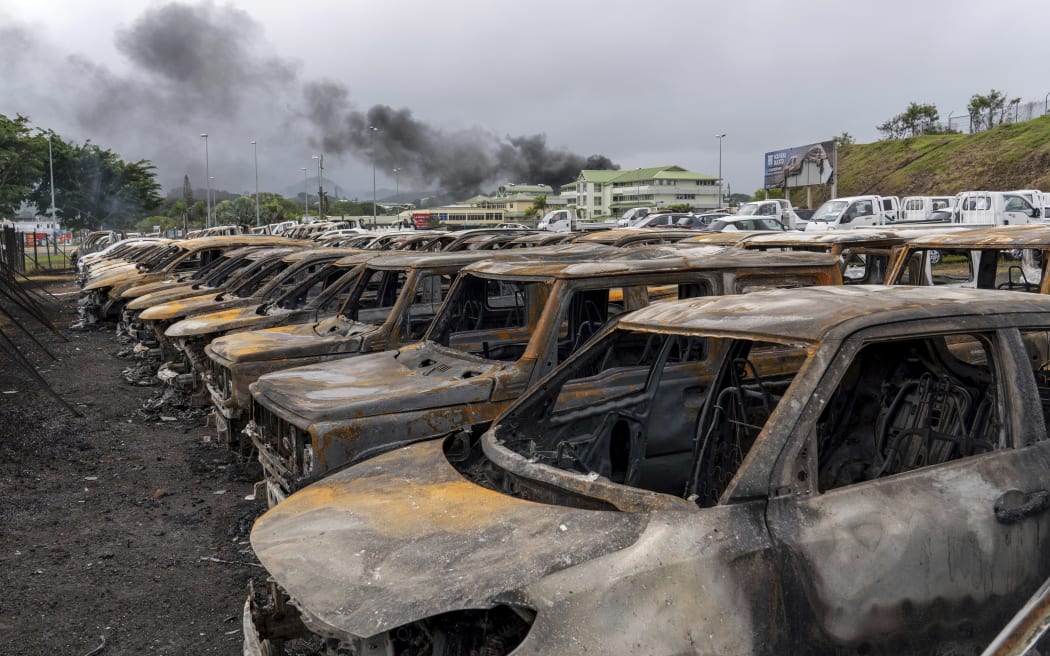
{"x": 1011, "y": 156}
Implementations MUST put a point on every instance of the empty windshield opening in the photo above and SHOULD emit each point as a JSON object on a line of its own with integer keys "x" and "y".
{"x": 489, "y": 317}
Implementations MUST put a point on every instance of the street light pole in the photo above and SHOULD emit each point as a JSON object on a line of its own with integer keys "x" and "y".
{"x": 373, "y": 129}
{"x": 255, "y": 156}
{"x": 306, "y": 196}
{"x": 397, "y": 191}
{"x": 1045, "y": 99}
{"x": 207, "y": 178}
{"x": 51, "y": 166}
{"x": 320, "y": 186}
{"x": 720, "y": 137}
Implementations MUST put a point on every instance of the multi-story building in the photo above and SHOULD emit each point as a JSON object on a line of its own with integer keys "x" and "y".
{"x": 607, "y": 193}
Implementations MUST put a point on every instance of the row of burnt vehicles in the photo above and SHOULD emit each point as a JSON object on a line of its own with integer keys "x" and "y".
{"x": 730, "y": 444}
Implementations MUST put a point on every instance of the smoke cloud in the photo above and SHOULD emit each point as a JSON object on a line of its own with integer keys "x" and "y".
{"x": 195, "y": 68}
{"x": 460, "y": 162}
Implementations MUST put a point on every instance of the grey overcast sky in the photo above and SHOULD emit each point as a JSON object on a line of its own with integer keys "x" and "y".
{"x": 461, "y": 88}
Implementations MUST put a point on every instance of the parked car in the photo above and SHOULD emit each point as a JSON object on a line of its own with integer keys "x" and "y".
{"x": 695, "y": 221}
{"x": 754, "y": 223}
{"x": 658, "y": 220}
{"x": 820, "y": 470}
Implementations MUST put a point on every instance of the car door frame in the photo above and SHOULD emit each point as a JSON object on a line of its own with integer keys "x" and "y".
{"x": 795, "y": 507}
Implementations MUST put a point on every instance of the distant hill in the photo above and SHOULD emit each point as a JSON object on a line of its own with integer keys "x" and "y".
{"x": 1010, "y": 156}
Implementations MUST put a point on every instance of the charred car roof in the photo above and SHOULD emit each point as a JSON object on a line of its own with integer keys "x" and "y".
{"x": 813, "y": 314}
{"x": 1019, "y": 236}
{"x": 654, "y": 259}
{"x": 865, "y": 237}
{"x": 724, "y": 238}
{"x": 320, "y": 253}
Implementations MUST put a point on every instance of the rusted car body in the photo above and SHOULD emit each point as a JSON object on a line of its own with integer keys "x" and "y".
{"x": 719, "y": 238}
{"x": 120, "y": 252}
{"x": 245, "y": 266}
{"x": 125, "y": 256}
{"x": 624, "y": 237}
{"x": 865, "y": 255}
{"x": 392, "y": 304}
{"x": 836, "y": 470}
{"x": 538, "y": 239}
{"x": 312, "y": 288}
{"x": 1008, "y": 257}
{"x": 503, "y": 326}
{"x": 272, "y": 273}
{"x": 171, "y": 262}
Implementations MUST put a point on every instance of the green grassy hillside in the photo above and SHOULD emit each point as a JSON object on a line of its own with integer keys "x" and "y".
{"x": 1012, "y": 156}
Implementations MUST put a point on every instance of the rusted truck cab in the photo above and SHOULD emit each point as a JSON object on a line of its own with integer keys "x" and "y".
{"x": 504, "y": 325}
{"x": 824, "y": 471}
{"x": 391, "y": 304}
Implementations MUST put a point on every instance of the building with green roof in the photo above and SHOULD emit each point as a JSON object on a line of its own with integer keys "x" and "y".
{"x": 604, "y": 193}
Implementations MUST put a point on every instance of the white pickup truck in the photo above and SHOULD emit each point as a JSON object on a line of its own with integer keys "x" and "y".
{"x": 778, "y": 208}
{"x": 919, "y": 208}
{"x": 567, "y": 221}
{"x": 853, "y": 212}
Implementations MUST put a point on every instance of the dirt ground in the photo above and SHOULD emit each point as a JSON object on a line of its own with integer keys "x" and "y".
{"x": 114, "y": 526}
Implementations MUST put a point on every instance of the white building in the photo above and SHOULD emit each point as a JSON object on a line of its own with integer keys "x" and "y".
{"x": 607, "y": 193}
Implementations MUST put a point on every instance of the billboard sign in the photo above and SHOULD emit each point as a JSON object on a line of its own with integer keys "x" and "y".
{"x": 800, "y": 166}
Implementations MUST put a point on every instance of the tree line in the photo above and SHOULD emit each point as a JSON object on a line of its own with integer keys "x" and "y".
{"x": 985, "y": 112}
{"x": 93, "y": 185}
{"x": 96, "y": 188}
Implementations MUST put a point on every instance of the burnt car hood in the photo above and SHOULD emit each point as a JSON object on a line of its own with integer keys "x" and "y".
{"x": 404, "y": 536}
{"x": 298, "y": 341}
{"x": 194, "y": 305}
{"x": 167, "y": 294}
{"x": 217, "y": 322}
{"x": 125, "y": 277}
{"x": 171, "y": 284}
{"x": 378, "y": 384}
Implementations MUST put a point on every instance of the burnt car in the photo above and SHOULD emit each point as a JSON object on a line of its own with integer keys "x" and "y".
{"x": 1007, "y": 257}
{"x": 830, "y": 470}
{"x": 240, "y": 273}
{"x": 504, "y": 325}
{"x": 101, "y": 297}
{"x": 314, "y": 286}
{"x": 270, "y": 274}
{"x": 624, "y": 237}
{"x": 391, "y": 304}
{"x": 865, "y": 255}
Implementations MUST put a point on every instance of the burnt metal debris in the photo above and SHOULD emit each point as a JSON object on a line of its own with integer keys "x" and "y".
{"x": 645, "y": 441}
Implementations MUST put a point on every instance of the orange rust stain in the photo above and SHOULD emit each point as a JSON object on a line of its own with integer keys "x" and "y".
{"x": 398, "y": 507}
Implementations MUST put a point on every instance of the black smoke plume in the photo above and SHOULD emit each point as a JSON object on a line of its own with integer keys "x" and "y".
{"x": 198, "y": 67}
{"x": 460, "y": 162}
